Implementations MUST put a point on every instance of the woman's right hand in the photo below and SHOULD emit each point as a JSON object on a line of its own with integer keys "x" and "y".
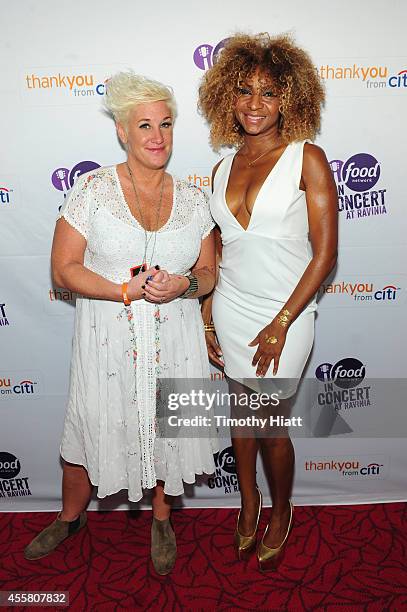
{"x": 214, "y": 350}
{"x": 135, "y": 288}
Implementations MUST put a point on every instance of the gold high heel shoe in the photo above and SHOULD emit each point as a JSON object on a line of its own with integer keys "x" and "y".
{"x": 269, "y": 558}
{"x": 245, "y": 544}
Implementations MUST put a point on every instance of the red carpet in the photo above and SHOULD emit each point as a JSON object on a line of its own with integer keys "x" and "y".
{"x": 342, "y": 558}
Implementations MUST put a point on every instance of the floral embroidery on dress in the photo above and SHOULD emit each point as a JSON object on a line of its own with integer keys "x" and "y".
{"x": 133, "y": 340}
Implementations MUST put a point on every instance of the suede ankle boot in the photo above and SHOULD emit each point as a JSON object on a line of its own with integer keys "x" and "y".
{"x": 163, "y": 546}
{"x": 49, "y": 538}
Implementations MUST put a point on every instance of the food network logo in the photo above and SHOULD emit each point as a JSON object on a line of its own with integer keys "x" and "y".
{"x": 355, "y": 467}
{"x": 225, "y": 472}
{"x": 5, "y": 196}
{"x": 78, "y": 85}
{"x": 64, "y": 179}
{"x": 362, "y": 292}
{"x": 373, "y": 77}
{"x": 3, "y": 317}
{"x": 10, "y": 485}
{"x": 205, "y": 55}
{"x": 342, "y": 384}
{"x": 355, "y": 180}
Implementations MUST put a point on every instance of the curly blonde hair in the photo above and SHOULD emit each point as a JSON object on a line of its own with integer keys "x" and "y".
{"x": 292, "y": 73}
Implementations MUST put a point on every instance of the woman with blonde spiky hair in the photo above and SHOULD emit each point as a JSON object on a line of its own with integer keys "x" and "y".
{"x": 137, "y": 246}
{"x": 275, "y": 203}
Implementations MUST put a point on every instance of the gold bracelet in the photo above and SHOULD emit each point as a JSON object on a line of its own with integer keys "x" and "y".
{"x": 284, "y": 317}
{"x": 209, "y": 327}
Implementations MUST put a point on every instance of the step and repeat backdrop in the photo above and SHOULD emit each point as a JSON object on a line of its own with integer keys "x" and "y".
{"x": 54, "y": 63}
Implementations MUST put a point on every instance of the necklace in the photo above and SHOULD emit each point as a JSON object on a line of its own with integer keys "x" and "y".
{"x": 153, "y": 232}
{"x": 253, "y": 161}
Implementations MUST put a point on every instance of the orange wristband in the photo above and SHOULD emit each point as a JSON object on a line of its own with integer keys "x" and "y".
{"x": 126, "y": 300}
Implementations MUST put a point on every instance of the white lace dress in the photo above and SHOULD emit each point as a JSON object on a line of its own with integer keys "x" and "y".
{"x": 119, "y": 351}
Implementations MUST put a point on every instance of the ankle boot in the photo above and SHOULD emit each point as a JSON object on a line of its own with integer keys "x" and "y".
{"x": 49, "y": 538}
{"x": 163, "y": 546}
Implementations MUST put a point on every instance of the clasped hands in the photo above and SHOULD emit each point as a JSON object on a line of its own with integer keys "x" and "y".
{"x": 157, "y": 286}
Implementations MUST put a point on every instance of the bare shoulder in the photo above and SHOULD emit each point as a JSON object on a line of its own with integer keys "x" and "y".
{"x": 316, "y": 171}
{"x": 313, "y": 154}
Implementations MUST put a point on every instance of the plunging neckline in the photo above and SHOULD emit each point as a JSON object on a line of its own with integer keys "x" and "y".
{"x": 258, "y": 193}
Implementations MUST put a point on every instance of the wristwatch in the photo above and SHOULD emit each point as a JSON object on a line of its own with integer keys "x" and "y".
{"x": 193, "y": 285}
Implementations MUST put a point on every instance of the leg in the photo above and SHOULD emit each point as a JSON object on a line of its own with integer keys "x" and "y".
{"x": 278, "y": 459}
{"x": 160, "y": 503}
{"x": 76, "y": 491}
{"x": 245, "y": 448}
{"x": 163, "y": 543}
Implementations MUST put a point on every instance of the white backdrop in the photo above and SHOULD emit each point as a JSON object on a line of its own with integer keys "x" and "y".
{"x": 54, "y": 60}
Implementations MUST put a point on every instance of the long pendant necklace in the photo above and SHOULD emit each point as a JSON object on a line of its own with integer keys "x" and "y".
{"x": 253, "y": 161}
{"x": 153, "y": 232}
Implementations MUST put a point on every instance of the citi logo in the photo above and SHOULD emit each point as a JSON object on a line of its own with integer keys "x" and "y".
{"x": 399, "y": 80}
{"x": 5, "y": 195}
{"x": 25, "y": 387}
{"x": 373, "y": 469}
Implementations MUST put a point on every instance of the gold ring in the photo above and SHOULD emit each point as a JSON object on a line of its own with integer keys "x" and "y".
{"x": 271, "y": 339}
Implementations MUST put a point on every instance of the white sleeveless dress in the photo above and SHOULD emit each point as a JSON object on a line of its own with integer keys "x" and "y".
{"x": 260, "y": 268}
{"x": 119, "y": 352}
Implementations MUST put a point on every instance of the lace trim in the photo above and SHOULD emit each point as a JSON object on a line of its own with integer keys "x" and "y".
{"x": 145, "y": 341}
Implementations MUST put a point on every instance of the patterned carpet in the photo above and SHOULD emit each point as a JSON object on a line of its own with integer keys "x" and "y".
{"x": 339, "y": 558}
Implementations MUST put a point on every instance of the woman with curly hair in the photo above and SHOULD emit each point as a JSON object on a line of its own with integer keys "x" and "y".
{"x": 275, "y": 202}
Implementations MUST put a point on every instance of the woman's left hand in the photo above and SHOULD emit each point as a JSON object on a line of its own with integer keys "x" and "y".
{"x": 165, "y": 291}
{"x": 267, "y": 351}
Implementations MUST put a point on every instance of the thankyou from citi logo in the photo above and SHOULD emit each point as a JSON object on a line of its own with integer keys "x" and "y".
{"x": 362, "y": 292}
{"x": 359, "y": 193}
{"x": 360, "y": 467}
{"x": 78, "y": 85}
{"x": 372, "y": 77}
{"x": 343, "y": 387}
{"x": 70, "y": 85}
{"x": 24, "y": 385}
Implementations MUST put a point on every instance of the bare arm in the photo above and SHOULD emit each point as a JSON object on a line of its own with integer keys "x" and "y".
{"x": 322, "y": 198}
{"x": 214, "y": 350}
{"x": 207, "y": 301}
{"x": 68, "y": 271}
{"x": 322, "y": 205}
